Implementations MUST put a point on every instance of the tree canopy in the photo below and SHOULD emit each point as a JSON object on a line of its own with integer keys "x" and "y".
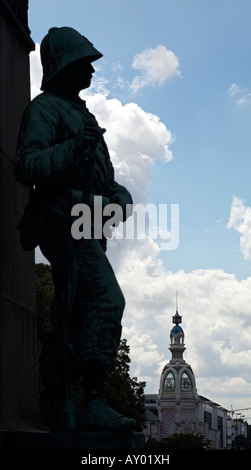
{"x": 125, "y": 393}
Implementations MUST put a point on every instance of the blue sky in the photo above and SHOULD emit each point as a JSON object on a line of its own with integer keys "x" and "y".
{"x": 211, "y": 152}
{"x": 205, "y": 104}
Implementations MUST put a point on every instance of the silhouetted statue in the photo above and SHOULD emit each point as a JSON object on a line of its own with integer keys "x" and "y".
{"x": 62, "y": 154}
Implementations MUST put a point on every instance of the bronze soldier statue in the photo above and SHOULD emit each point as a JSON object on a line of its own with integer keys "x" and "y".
{"x": 63, "y": 156}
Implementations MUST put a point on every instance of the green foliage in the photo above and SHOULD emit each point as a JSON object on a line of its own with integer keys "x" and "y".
{"x": 179, "y": 442}
{"x": 45, "y": 299}
{"x": 241, "y": 443}
{"x": 126, "y": 394}
{"x": 44, "y": 302}
{"x": 248, "y": 430}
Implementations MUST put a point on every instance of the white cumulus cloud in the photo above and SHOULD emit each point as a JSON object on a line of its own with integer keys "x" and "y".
{"x": 156, "y": 66}
{"x": 240, "y": 220}
{"x": 216, "y": 320}
{"x": 35, "y": 71}
{"x": 135, "y": 138}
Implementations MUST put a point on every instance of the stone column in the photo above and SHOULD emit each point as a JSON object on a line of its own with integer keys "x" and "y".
{"x": 19, "y": 407}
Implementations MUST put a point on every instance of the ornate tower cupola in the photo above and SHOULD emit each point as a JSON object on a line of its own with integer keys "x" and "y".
{"x": 177, "y": 397}
{"x": 177, "y": 336}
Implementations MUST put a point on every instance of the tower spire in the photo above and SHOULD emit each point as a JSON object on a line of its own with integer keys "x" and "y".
{"x": 177, "y": 318}
{"x": 177, "y": 336}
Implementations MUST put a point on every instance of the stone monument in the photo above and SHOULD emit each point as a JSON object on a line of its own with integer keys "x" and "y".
{"x": 19, "y": 409}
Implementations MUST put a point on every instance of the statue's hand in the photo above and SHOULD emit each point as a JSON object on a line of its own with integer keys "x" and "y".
{"x": 87, "y": 139}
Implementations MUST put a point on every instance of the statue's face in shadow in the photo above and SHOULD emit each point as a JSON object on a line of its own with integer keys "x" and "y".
{"x": 74, "y": 78}
{"x": 79, "y": 74}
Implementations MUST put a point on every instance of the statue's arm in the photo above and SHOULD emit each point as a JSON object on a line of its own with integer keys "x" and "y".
{"x": 40, "y": 158}
{"x": 121, "y": 196}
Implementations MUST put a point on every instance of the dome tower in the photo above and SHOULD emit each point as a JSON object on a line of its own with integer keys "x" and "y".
{"x": 177, "y": 398}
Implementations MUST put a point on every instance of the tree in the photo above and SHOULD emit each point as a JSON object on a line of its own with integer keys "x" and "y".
{"x": 45, "y": 299}
{"x": 126, "y": 394}
{"x": 179, "y": 442}
{"x": 240, "y": 442}
{"x": 44, "y": 302}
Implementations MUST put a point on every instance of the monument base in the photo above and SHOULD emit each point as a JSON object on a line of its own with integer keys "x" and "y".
{"x": 81, "y": 441}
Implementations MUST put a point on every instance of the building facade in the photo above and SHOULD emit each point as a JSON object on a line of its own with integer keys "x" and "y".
{"x": 177, "y": 407}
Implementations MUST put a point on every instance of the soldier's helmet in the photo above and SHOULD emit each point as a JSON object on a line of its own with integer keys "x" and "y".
{"x": 62, "y": 46}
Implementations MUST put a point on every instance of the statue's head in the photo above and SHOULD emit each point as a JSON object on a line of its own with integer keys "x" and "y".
{"x": 62, "y": 47}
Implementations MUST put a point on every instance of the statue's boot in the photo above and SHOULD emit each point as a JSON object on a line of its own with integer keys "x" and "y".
{"x": 97, "y": 414}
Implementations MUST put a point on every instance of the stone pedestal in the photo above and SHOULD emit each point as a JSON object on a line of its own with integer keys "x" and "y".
{"x": 123, "y": 441}
{"x": 18, "y": 360}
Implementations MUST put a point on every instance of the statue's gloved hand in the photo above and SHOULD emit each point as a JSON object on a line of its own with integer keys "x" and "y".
{"x": 86, "y": 140}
